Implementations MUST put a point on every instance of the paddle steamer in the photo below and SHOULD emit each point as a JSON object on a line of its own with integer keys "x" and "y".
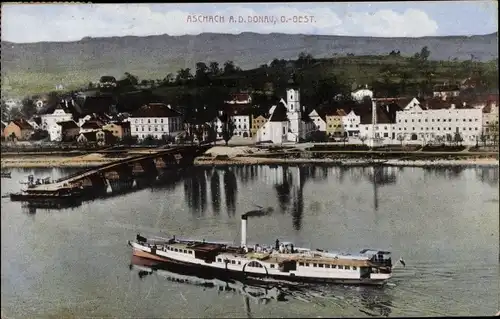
{"x": 281, "y": 261}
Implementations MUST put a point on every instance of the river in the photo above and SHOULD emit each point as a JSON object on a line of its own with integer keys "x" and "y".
{"x": 444, "y": 222}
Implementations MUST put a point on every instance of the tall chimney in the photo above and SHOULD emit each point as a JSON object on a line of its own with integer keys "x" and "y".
{"x": 243, "y": 231}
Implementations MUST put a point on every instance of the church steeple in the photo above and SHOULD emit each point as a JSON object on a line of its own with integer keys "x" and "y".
{"x": 292, "y": 82}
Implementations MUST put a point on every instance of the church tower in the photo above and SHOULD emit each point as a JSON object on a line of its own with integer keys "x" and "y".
{"x": 294, "y": 111}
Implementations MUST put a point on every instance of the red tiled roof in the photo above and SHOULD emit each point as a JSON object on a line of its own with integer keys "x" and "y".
{"x": 91, "y": 125}
{"x": 156, "y": 110}
{"x": 23, "y": 124}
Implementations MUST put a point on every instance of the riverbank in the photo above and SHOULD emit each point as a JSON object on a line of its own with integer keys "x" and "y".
{"x": 84, "y": 161}
{"x": 244, "y": 155}
{"x": 486, "y": 162}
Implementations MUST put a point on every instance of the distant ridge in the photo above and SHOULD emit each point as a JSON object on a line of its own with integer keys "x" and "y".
{"x": 165, "y": 54}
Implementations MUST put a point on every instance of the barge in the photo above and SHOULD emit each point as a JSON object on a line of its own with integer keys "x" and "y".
{"x": 282, "y": 261}
{"x": 5, "y": 174}
{"x": 62, "y": 194}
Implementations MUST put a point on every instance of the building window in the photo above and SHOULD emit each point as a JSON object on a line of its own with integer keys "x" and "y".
{"x": 341, "y": 267}
{"x": 272, "y": 265}
{"x": 301, "y": 264}
{"x": 315, "y": 265}
{"x": 149, "y": 121}
{"x": 320, "y": 265}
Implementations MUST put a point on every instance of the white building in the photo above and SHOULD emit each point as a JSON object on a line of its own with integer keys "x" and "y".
{"x": 416, "y": 123}
{"x": 286, "y": 123}
{"x": 49, "y": 122}
{"x": 361, "y": 93}
{"x": 380, "y": 133}
{"x": 155, "y": 119}
{"x": 318, "y": 120}
{"x": 351, "y": 123}
{"x": 277, "y": 126}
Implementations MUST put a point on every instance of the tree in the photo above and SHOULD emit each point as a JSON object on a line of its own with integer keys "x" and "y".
{"x": 214, "y": 68}
{"x": 201, "y": 73}
{"x": 39, "y": 135}
{"x": 493, "y": 133}
{"x": 166, "y": 138}
{"x": 150, "y": 140}
{"x": 345, "y": 138}
{"x": 401, "y": 138}
{"x": 212, "y": 134}
{"x": 129, "y": 140}
{"x": 5, "y": 111}
{"x": 457, "y": 138}
{"x": 449, "y": 138}
{"x": 227, "y": 130}
{"x": 424, "y": 53}
{"x": 132, "y": 79}
{"x": 184, "y": 75}
{"x": 229, "y": 68}
{"x": 198, "y": 132}
{"x": 28, "y": 107}
{"x": 363, "y": 138}
{"x": 169, "y": 78}
{"x": 304, "y": 59}
{"x": 483, "y": 138}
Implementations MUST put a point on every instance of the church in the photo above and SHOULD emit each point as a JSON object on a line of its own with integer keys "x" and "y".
{"x": 288, "y": 121}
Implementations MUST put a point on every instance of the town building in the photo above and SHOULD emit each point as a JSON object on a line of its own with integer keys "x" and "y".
{"x": 118, "y": 129}
{"x": 49, "y": 122}
{"x": 360, "y": 94}
{"x": 107, "y": 81}
{"x": 258, "y": 120}
{"x": 440, "y": 119}
{"x": 69, "y": 130}
{"x": 380, "y": 132}
{"x": 490, "y": 119}
{"x": 91, "y": 125}
{"x": 318, "y": 117}
{"x": 241, "y": 120}
{"x": 20, "y": 129}
{"x": 276, "y": 128}
{"x": 155, "y": 119}
{"x": 350, "y": 123}
{"x": 446, "y": 90}
{"x": 334, "y": 124}
{"x": 295, "y": 123}
{"x": 240, "y": 99}
{"x": 99, "y": 137}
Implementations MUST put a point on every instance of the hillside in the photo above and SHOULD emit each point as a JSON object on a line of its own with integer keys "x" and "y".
{"x": 32, "y": 67}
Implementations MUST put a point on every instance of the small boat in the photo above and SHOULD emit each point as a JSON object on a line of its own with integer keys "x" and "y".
{"x": 282, "y": 262}
{"x": 5, "y": 174}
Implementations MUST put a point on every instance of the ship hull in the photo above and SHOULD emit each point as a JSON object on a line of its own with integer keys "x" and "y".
{"x": 162, "y": 262}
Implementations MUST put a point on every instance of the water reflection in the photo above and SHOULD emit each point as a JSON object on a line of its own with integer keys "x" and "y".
{"x": 230, "y": 189}
{"x": 372, "y": 301}
{"x": 215, "y": 191}
{"x": 488, "y": 175}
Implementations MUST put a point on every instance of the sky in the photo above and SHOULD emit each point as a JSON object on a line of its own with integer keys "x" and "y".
{"x": 72, "y": 22}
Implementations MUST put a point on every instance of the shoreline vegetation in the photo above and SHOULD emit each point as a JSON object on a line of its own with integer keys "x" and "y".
{"x": 247, "y": 155}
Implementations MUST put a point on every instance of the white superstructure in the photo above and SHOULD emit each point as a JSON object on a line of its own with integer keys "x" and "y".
{"x": 282, "y": 261}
